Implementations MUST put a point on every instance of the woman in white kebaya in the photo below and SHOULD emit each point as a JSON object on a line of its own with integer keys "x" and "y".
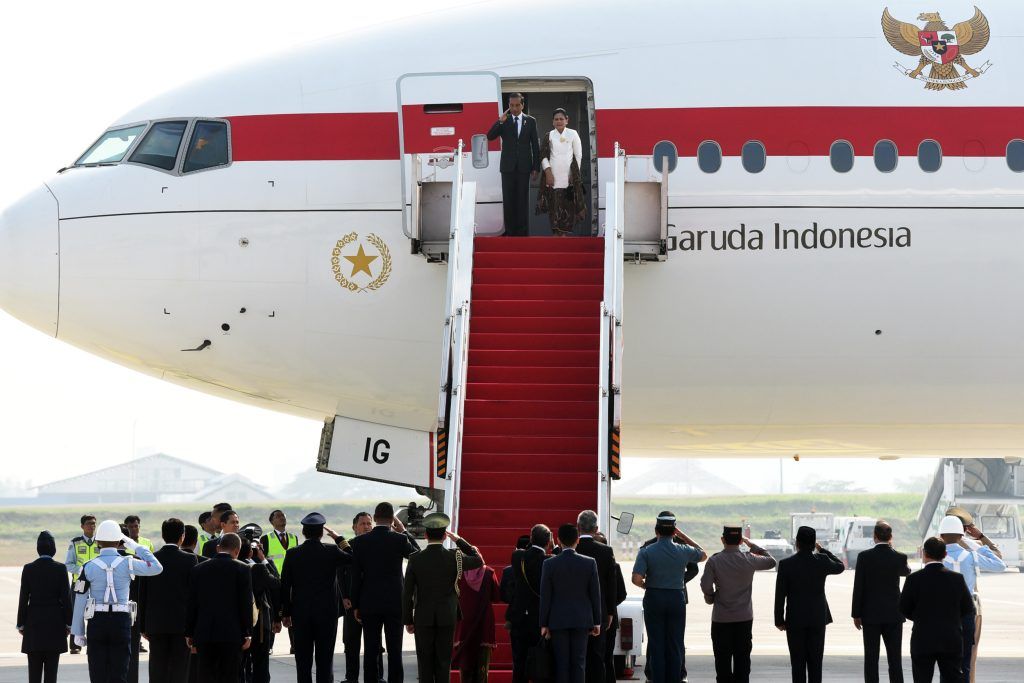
{"x": 561, "y": 192}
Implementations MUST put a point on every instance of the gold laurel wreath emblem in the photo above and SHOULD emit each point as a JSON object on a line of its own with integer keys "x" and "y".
{"x": 385, "y": 256}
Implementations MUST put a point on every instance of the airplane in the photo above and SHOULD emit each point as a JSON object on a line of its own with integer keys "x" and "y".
{"x": 824, "y": 266}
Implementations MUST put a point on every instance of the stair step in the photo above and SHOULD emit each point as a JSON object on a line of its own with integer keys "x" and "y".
{"x": 484, "y": 479}
{"x": 485, "y": 292}
{"x": 534, "y": 359}
{"x": 531, "y": 443}
{"x": 531, "y": 392}
{"x": 528, "y": 410}
{"x": 553, "y": 376}
{"x": 538, "y": 276}
{"x": 552, "y": 463}
{"x": 529, "y": 499}
{"x": 533, "y": 341}
{"x": 523, "y": 518}
{"x": 552, "y": 245}
{"x": 538, "y": 259}
{"x": 541, "y": 325}
{"x": 514, "y": 308}
{"x": 494, "y": 426}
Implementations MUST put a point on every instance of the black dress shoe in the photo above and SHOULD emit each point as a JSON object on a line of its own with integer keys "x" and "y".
{"x": 75, "y": 650}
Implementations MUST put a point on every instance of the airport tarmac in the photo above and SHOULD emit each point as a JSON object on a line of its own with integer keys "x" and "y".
{"x": 1001, "y": 658}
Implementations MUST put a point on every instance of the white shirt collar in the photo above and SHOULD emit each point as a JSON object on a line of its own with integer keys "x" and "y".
{"x": 543, "y": 550}
{"x": 932, "y": 562}
{"x": 582, "y": 536}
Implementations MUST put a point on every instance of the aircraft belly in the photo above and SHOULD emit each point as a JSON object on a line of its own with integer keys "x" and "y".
{"x": 802, "y": 349}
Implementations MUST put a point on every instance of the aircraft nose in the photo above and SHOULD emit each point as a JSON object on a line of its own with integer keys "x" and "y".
{"x": 30, "y": 260}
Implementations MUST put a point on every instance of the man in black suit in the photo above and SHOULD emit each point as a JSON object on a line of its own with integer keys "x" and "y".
{"x": 571, "y": 609}
{"x": 310, "y": 598}
{"x": 523, "y": 612}
{"x": 876, "y": 590}
{"x": 936, "y": 600}
{"x": 586, "y": 523}
{"x": 801, "y": 609}
{"x": 44, "y": 611}
{"x": 352, "y": 630}
{"x": 162, "y": 607}
{"x": 218, "y": 622}
{"x": 430, "y": 605}
{"x": 520, "y": 161}
{"x": 266, "y": 592}
{"x": 377, "y": 590}
{"x": 507, "y": 583}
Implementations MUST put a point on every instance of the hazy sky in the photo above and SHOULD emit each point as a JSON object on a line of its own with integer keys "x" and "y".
{"x": 69, "y": 69}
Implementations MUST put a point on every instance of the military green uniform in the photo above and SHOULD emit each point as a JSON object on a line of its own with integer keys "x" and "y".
{"x": 430, "y": 603}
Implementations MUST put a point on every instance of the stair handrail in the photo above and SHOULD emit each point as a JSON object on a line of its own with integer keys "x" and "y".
{"x": 455, "y": 342}
{"x": 610, "y": 347}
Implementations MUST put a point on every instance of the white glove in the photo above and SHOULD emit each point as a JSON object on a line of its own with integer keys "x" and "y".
{"x": 80, "y": 641}
{"x": 129, "y": 543}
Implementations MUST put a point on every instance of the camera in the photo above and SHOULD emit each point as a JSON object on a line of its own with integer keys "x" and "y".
{"x": 251, "y": 533}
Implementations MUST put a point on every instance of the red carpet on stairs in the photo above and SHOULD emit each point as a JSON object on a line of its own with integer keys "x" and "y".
{"x": 529, "y": 450}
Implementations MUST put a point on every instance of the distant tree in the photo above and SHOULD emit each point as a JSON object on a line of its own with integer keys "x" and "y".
{"x": 833, "y": 486}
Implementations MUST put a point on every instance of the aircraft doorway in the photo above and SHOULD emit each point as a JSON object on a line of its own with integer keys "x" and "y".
{"x": 576, "y": 95}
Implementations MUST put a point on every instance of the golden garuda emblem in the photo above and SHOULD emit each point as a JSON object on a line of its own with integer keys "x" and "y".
{"x": 940, "y": 47}
{"x": 359, "y": 270}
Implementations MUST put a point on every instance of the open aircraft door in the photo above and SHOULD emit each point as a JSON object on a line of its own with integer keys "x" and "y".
{"x": 435, "y": 111}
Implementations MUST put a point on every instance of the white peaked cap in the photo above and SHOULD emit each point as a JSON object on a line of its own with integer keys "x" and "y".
{"x": 109, "y": 530}
{"x": 951, "y": 525}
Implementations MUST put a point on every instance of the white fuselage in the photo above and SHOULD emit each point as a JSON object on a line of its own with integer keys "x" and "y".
{"x": 880, "y": 349}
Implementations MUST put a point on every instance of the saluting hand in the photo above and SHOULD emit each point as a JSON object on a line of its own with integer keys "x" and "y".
{"x": 410, "y": 628}
{"x": 504, "y": 116}
{"x": 246, "y": 643}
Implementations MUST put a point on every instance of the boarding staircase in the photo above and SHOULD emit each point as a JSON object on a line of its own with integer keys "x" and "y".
{"x": 529, "y": 402}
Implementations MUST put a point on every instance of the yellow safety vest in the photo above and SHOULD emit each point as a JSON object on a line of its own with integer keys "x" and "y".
{"x": 84, "y": 552}
{"x": 143, "y": 541}
{"x": 203, "y": 538}
{"x": 277, "y": 551}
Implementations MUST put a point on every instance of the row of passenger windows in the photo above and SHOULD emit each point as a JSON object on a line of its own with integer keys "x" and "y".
{"x": 161, "y": 145}
{"x": 886, "y": 156}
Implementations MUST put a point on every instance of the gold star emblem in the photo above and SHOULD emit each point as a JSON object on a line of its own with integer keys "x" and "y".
{"x": 361, "y": 262}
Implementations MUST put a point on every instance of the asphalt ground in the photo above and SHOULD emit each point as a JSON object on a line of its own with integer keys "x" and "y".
{"x": 1001, "y": 656}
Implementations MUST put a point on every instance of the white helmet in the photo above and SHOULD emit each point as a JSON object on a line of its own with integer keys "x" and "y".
{"x": 109, "y": 530}
{"x": 951, "y": 525}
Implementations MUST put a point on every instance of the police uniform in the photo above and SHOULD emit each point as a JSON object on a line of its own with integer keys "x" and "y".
{"x": 430, "y": 601}
{"x": 81, "y": 550}
{"x": 103, "y": 614}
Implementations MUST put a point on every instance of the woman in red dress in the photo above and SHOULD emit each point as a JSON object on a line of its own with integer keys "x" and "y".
{"x": 474, "y": 636}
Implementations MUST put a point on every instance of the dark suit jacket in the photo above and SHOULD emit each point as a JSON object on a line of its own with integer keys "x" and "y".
{"x": 876, "y": 585}
{"x": 163, "y": 598}
{"x": 44, "y": 606}
{"x": 525, "y": 604}
{"x": 219, "y": 601}
{"x": 266, "y": 591}
{"x": 377, "y": 571}
{"x": 800, "y": 589}
{"x": 309, "y": 582}
{"x": 519, "y": 153}
{"x": 605, "y": 558}
{"x": 570, "y": 592}
{"x": 507, "y": 586}
{"x": 935, "y": 599}
{"x": 428, "y": 598}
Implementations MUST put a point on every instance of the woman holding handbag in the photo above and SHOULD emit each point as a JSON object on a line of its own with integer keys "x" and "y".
{"x": 561, "y": 191}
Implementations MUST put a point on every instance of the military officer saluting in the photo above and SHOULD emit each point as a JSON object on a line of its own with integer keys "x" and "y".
{"x": 103, "y": 614}
{"x": 82, "y": 549}
{"x": 430, "y": 601}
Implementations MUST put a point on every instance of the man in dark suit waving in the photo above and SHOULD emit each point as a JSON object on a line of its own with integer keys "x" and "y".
{"x": 310, "y": 598}
{"x": 162, "y": 607}
{"x": 586, "y": 522}
{"x": 570, "y": 606}
{"x": 377, "y": 590}
{"x": 218, "y": 622}
{"x": 520, "y": 161}
{"x": 876, "y": 590}
{"x": 801, "y": 609}
{"x": 936, "y": 600}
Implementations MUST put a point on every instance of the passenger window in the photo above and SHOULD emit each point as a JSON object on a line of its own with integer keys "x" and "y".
{"x": 841, "y": 156}
{"x": 753, "y": 156}
{"x": 208, "y": 147}
{"x": 160, "y": 146}
{"x": 929, "y": 156}
{"x": 709, "y": 156}
{"x": 886, "y": 156}
{"x": 1015, "y": 155}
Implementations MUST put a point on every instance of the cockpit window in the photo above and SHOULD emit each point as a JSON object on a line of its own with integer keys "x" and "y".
{"x": 111, "y": 147}
{"x": 160, "y": 146}
{"x": 208, "y": 147}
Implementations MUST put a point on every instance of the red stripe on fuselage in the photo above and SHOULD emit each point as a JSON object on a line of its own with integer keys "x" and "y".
{"x": 785, "y": 131}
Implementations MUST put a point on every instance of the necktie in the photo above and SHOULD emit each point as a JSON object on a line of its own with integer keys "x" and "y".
{"x": 517, "y": 126}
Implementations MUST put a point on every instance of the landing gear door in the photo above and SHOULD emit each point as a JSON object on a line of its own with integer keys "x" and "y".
{"x": 435, "y": 111}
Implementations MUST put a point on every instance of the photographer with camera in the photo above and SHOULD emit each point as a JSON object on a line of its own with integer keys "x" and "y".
{"x": 266, "y": 592}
